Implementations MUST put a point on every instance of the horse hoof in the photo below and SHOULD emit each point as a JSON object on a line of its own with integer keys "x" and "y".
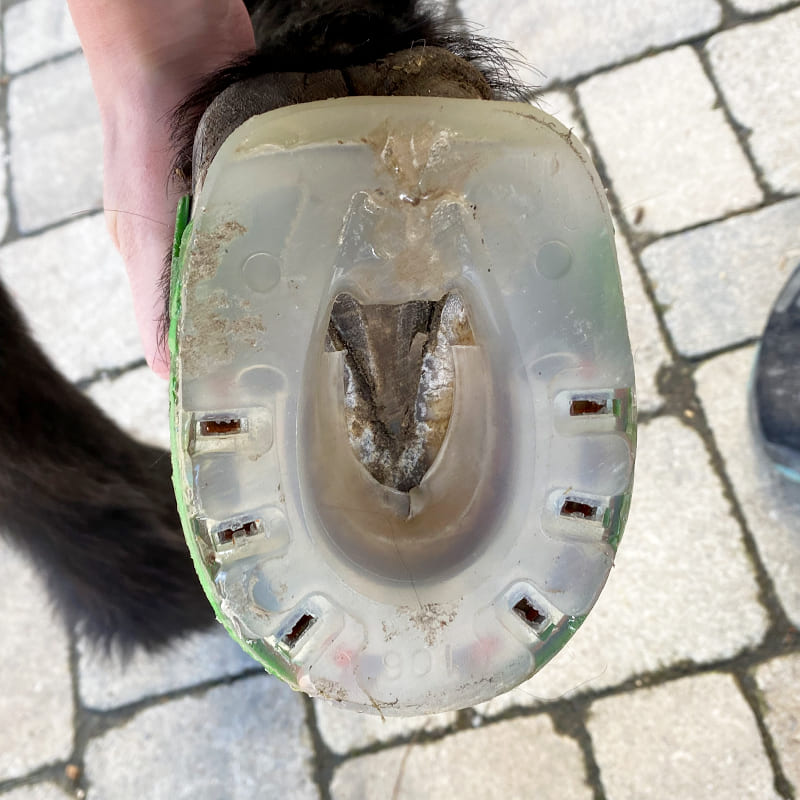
{"x": 402, "y": 395}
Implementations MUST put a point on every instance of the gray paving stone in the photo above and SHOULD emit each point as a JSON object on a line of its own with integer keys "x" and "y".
{"x": 672, "y": 159}
{"x": 756, "y": 6}
{"x": 649, "y": 351}
{"x": 36, "y": 30}
{"x": 235, "y": 742}
{"x": 343, "y": 731}
{"x": 105, "y": 681}
{"x": 36, "y": 701}
{"x": 682, "y": 588}
{"x": 56, "y": 143}
{"x": 759, "y": 74}
{"x": 39, "y": 791}
{"x": 779, "y": 682}
{"x": 717, "y": 283}
{"x": 3, "y": 201}
{"x": 771, "y": 505}
{"x": 518, "y": 759}
{"x": 694, "y": 738}
{"x": 573, "y": 37}
{"x": 138, "y": 402}
{"x": 70, "y": 284}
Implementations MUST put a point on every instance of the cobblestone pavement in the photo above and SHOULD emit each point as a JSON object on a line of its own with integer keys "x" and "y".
{"x": 684, "y": 682}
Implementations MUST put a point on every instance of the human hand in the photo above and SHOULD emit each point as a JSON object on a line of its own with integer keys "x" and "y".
{"x": 145, "y": 57}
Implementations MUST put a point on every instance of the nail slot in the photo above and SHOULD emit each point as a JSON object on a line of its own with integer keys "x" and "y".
{"x": 221, "y": 426}
{"x": 578, "y": 510}
{"x": 247, "y": 529}
{"x": 591, "y": 404}
{"x": 290, "y": 639}
{"x": 529, "y": 613}
{"x": 586, "y": 406}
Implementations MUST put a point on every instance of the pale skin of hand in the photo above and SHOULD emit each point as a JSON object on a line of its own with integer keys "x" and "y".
{"x": 145, "y": 57}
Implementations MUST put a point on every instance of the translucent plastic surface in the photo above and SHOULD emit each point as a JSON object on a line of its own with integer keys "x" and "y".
{"x": 430, "y": 556}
